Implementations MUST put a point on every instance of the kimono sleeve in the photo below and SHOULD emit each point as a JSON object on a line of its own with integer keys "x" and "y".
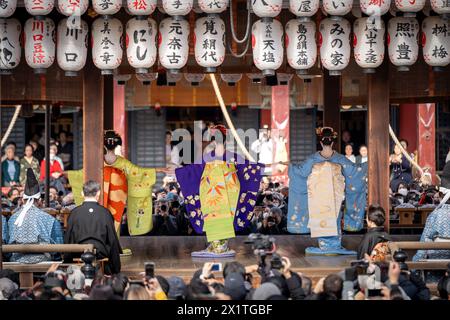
{"x": 57, "y": 233}
{"x": 76, "y": 182}
{"x": 134, "y": 172}
{"x": 250, "y": 176}
{"x": 355, "y": 192}
{"x": 188, "y": 178}
{"x": 428, "y": 234}
{"x": 4, "y": 230}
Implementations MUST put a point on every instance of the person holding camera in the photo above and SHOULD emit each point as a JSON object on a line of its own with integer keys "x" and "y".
{"x": 164, "y": 223}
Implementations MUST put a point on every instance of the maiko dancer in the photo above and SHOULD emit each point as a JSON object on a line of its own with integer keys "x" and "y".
{"x": 317, "y": 188}
{"x": 220, "y": 195}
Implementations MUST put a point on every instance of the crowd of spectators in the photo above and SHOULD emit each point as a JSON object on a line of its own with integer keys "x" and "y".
{"x": 370, "y": 281}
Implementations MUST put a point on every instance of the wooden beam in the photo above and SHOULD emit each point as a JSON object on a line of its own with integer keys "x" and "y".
{"x": 93, "y": 124}
{"x": 332, "y": 104}
{"x": 378, "y": 138}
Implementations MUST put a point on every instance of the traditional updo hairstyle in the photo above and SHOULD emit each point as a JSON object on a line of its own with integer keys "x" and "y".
{"x": 326, "y": 135}
{"x": 111, "y": 140}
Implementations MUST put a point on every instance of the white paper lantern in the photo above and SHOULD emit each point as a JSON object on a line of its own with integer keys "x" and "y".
{"x": 368, "y": 43}
{"x": 301, "y": 47}
{"x": 334, "y": 41}
{"x": 141, "y": 7}
{"x": 436, "y": 42}
{"x": 337, "y": 7}
{"x": 267, "y": 8}
{"x": 177, "y": 7}
{"x": 209, "y": 42}
{"x": 39, "y": 7}
{"x": 304, "y": 8}
{"x": 441, "y": 7}
{"x": 410, "y": 7}
{"x": 106, "y": 7}
{"x": 194, "y": 78}
{"x": 39, "y": 42}
{"x": 402, "y": 41}
{"x": 213, "y": 6}
{"x": 173, "y": 78}
{"x": 10, "y": 49}
{"x": 72, "y": 40}
{"x": 7, "y": 8}
{"x": 107, "y": 44}
{"x": 141, "y": 43}
{"x": 173, "y": 43}
{"x": 231, "y": 78}
{"x": 375, "y": 7}
{"x": 267, "y": 44}
{"x": 73, "y": 7}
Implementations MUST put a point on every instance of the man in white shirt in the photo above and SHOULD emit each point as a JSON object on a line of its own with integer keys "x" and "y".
{"x": 264, "y": 148}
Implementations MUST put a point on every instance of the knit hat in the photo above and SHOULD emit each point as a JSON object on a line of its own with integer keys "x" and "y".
{"x": 7, "y": 288}
{"x": 235, "y": 286}
{"x": 265, "y": 291}
{"x": 177, "y": 287}
{"x": 75, "y": 279}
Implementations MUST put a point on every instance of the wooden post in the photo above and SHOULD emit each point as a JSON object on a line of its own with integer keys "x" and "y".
{"x": 378, "y": 138}
{"x": 108, "y": 102}
{"x": 93, "y": 120}
{"x": 426, "y": 135}
{"x": 332, "y": 105}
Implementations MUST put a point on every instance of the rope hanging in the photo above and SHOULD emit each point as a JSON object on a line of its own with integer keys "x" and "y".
{"x": 404, "y": 152}
{"x": 228, "y": 119}
{"x": 247, "y": 29}
{"x": 11, "y": 125}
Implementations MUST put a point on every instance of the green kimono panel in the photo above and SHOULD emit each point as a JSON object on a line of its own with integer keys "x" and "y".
{"x": 139, "y": 202}
{"x": 76, "y": 181}
{"x": 219, "y": 192}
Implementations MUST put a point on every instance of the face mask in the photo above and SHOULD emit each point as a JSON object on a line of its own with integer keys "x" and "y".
{"x": 403, "y": 191}
{"x": 52, "y": 157}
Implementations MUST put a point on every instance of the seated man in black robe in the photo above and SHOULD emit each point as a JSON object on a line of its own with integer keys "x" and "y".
{"x": 375, "y": 231}
{"x": 92, "y": 223}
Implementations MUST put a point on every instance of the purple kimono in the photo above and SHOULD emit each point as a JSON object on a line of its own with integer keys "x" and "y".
{"x": 249, "y": 175}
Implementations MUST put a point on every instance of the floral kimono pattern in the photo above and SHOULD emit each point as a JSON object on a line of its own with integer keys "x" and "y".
{"x": 220, "y": 196}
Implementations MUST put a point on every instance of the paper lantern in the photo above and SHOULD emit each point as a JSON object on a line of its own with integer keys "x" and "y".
{"x": 441, "y": 7}
{"x": 375, "y": 7}
{"x": 71, "y": 51}
{"x": 7, "y": 8}
{"x": 173, "y": 78}
{"x": 39, "y": 42}
{"x": 267, "y": 44}
{"x": 368, "y": 43}
{"x": 141, "y": 43}
{"x": 231, "y": 78}
{"x": 436, "y": 42}
{"x": 39, "y": 7}
{"x": 209, "y": 42}
{"x": 213, "y": 6}
{"x": 177, "y": 7}
{"x": 147, "y": 78}
{"x": 73, "y": 7}
{"x": 141, "y": 7}
{"x": 106, "y": 7}
{"x": 337, "y": 7}
{"x": 334, "y": 42}
{"x": 410, "y": 7}
{"x": 107, "y": 44}
{"x": 10, "y": 49}
{"x": 173, "y": 43}
{"x": 194, "y": 78}
{"x": 304, "y": 9}
{"x": 301, "y": 47}
{"x": 267, "y": 8}
{"x": 402, "y": 42}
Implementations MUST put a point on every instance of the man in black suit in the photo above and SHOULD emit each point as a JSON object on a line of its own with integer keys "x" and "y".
{"x": 92, "y": 223}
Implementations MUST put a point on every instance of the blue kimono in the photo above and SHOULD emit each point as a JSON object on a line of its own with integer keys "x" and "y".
{"x": 355, "y": 201}
{"x": 4, "y": 229}
{"x": 38, "y": 227}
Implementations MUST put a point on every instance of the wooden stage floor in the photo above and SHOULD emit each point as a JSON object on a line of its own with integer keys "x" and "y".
{"x": 172, "y": 255}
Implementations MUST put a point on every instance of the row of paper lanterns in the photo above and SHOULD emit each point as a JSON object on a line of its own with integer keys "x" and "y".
{"x": 262, "y": 8}
{"x": 300, "y": 40}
